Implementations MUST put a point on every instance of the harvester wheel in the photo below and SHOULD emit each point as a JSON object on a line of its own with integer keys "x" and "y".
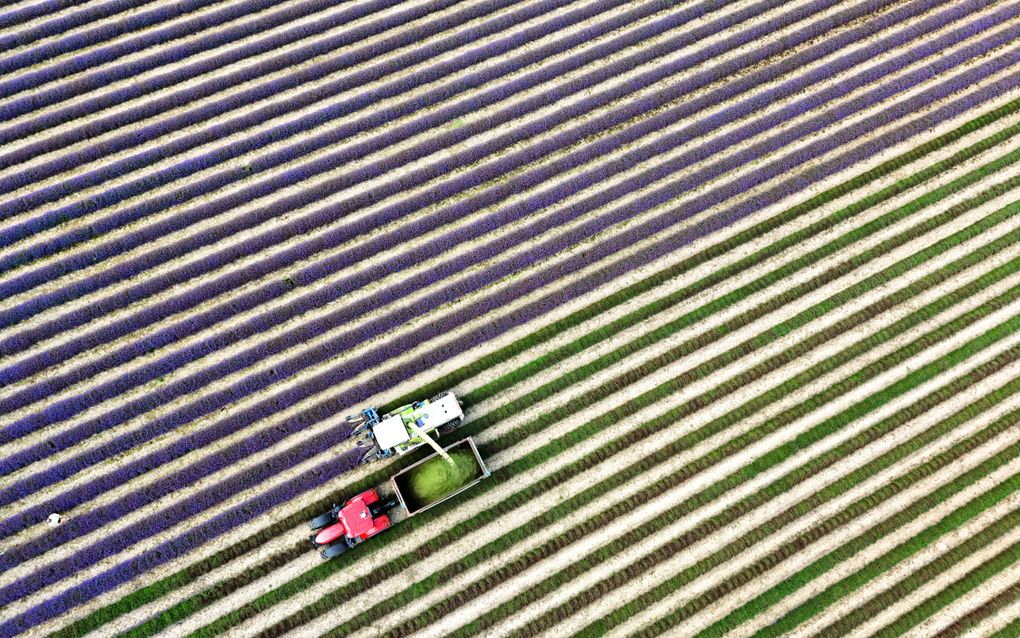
{"x": 363, "y": 439}
{"x": 449, "y": 427}
{"x": 335, "y": 549}
{"x": 359, "y": 425}
{"x": 371, "y": 455}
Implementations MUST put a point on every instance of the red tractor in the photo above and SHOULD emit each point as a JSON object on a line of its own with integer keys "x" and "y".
{"x": 357, "y": 520}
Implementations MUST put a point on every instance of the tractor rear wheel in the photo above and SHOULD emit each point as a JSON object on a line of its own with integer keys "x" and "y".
{"x": 381, "y": 507}
{"x": 443, "y": 394}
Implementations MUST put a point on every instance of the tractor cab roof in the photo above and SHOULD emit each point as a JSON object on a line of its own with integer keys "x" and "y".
{"x": 356, "y": 517}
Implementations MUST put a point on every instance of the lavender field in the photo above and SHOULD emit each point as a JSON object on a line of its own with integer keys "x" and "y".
{"x": 730, "y": 291}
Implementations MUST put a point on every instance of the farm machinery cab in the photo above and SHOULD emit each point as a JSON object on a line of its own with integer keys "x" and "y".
{"x": 357, "y": 520}
{"x": 393, "y": 432}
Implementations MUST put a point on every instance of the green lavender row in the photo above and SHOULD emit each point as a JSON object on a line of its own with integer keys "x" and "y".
{"x": 910, "y": 292}
{"x": 947, "y": 524}
{"x": 770, "y": 459}
{"x": 890, "y": 524}
{"x": 927, "y": 573}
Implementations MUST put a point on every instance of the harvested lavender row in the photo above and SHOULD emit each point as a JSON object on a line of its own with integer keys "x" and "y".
{"x": 178, "y": 546}
{"x": 463, "y": 208}
{"x": 68, "y": 407}
{"x": 39, "y": 55}
{"x": 354, "y": 104}
{"x": 519, "y": 288}
{"x": 202, "y": 64}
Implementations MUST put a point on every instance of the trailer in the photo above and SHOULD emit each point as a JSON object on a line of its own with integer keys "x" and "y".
{"x": 404, "y": 489}
{"x": 394, "y": 432}
{"x": 376, "y": 509}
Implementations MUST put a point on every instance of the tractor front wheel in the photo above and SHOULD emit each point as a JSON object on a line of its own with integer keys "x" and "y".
{"x": 335, "y": 549}
{"x": 325, "y": 520}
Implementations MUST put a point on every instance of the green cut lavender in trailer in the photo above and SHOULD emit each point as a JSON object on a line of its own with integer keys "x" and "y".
{"x": 436, "y": 478}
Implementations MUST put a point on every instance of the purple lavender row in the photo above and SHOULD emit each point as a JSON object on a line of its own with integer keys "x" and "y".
{"x": 328, "y": 379}
{"x": 63, "y": 23}
{"x": 168, "y": 516}
{"x": 56, "y": 382}
{"x": 132, "y": 68}
{"x": 329, "y": 215}
{"x": 183, "y": 98}
{"x": 128, "y": 570}
{"x": 495, "y": 50}
{"x": 100, "y": 33}
{"x": 58, "y": 411}
{"x": 231, "y": 520}
{"x": 151, "y": 153}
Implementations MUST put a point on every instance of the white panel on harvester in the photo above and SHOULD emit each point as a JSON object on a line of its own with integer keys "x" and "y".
{"x": 390, "y": 432}
{"x": 442, "y": 411}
